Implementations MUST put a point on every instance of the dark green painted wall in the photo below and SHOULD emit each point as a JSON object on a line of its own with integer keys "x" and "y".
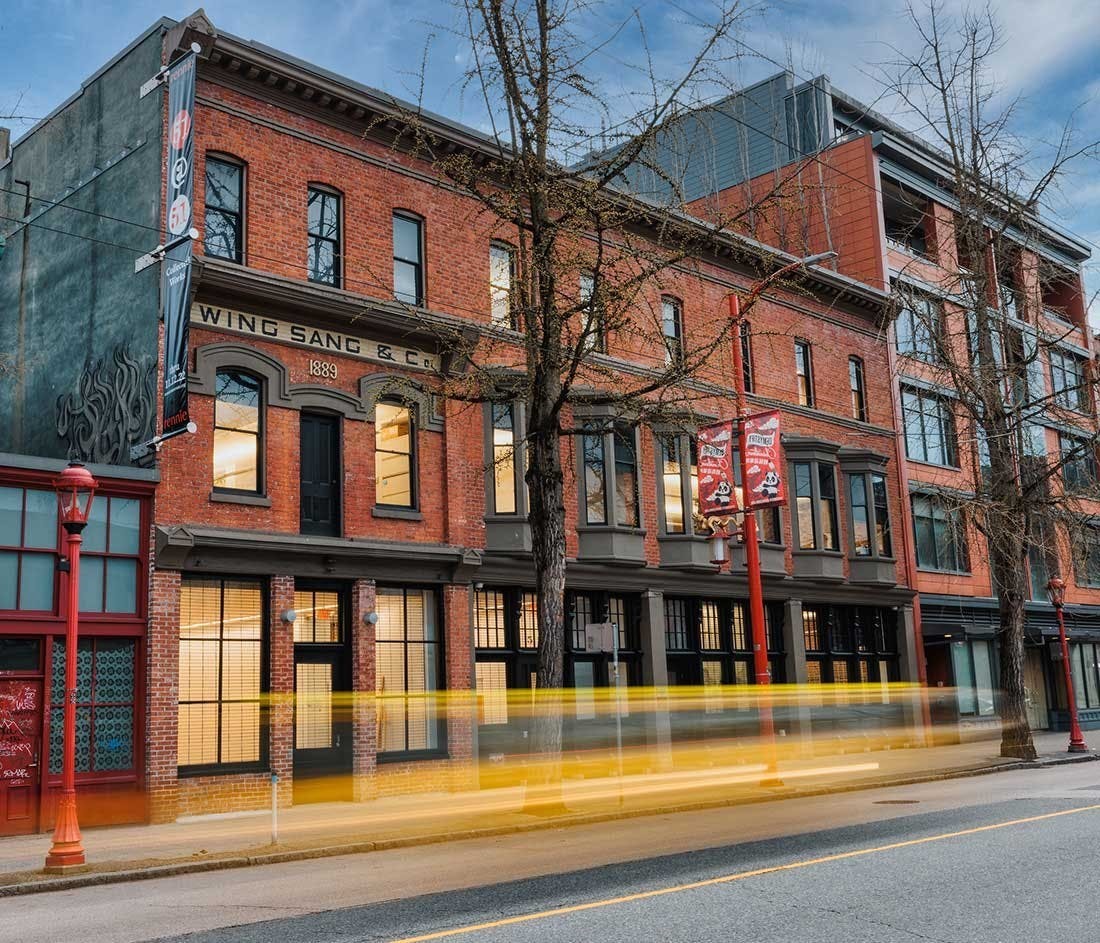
{"x": 75, "y": 321}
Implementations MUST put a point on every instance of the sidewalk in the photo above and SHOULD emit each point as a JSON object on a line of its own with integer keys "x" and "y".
{"x": 237, "y": 840}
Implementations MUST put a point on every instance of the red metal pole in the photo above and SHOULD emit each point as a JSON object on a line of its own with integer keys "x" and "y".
{"x": 752, "y": 548}
{"x": 1076, "y": 740}
{"x": 68, "y": 848}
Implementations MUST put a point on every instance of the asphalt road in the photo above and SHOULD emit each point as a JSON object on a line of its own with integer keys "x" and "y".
{"x": 1006, "y": 857}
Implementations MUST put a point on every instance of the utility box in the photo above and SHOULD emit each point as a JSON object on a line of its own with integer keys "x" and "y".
{"x": 599, "y": 637}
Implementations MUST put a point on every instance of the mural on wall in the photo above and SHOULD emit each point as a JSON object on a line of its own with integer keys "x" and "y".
{"x": 112, "y": 408}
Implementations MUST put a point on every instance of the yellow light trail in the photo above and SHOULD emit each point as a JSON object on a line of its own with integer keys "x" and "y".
{"x": 730, "y": 878}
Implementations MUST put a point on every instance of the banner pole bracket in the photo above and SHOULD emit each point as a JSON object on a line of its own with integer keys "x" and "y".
{"x": 158, "y": 254}
{"x": 156, "y": 443}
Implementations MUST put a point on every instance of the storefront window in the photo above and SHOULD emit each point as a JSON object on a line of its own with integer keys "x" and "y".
{"x": 220, "y": 675}
{"x": 975, "y": 691}
{"x": 408, "y": 672}
{"x": 318, "y": 617}
{"x": 104, "y": 705}
{"x": 28, "y": 549}
{"x": 709, "y": 641}
{"x": 110, "y": 556}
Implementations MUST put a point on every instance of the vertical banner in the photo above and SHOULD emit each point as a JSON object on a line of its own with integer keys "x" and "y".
{"x": 179, "y": 214}
{"x": 764, "y": 453}
{"x": 717, "y": 494}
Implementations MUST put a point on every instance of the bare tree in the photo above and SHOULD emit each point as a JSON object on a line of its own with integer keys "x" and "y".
{"x": 590, "y": 262}
{"x": 990, "y": 337}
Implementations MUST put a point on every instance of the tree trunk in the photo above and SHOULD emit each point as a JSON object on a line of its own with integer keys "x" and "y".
{"x": 547, "y": 519}
{"x": 1009, "y": 569}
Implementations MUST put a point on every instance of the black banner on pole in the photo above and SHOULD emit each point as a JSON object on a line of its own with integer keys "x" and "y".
{"x": 179, "y": 214}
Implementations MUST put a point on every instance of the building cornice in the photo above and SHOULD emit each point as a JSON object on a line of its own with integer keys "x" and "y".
{"x": 270, "y": 75}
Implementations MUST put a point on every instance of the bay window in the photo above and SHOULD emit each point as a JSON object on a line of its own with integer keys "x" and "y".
{"x": 815, "y": 506}
{"x": 505, "y": 474}
{"x": 679, "y": 472}
{"x": 610, "y": 457}
{"x": 870, "y": 514}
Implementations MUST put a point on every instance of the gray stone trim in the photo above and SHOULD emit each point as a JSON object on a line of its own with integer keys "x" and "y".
{"x": 404, "y": 514}
{"x": 223, "y": 550}
{"x": 861, "y": 460}
{"x": 809, "y": 449}
{"x": 279, "y": 391}
{"x": 98, "y": 470}
{"x": 380, "y": 386}
{"x": 232, "y": 497}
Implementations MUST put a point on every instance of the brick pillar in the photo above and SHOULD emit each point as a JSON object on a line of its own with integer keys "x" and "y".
{"x": 162, "y": 652}
{"x": 460, "y": 701}
{"x": 364, "y": 723}
{"x": 794, "y": 647}
{"x": 281, "y": 715}
{"x": 909, "y": 656}
{"x": 655, "y": 674}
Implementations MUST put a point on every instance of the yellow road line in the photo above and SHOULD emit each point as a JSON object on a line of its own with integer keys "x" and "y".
{"x": 729, "y": 878}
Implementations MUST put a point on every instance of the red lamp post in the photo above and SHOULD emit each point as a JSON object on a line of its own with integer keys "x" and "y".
{"x": 1056, "y": 590}
{"x": 757, "y": 623}
{"x": 75, "y": 487}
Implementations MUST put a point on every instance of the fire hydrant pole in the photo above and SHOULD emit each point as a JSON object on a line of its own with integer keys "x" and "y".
{"x": 1076, "y": 738}
{"x": 752, "y": 549}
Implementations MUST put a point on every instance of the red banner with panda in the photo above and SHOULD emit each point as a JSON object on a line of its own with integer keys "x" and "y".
{"x": 718, "y": 495}
{"x": 764, "y": 466}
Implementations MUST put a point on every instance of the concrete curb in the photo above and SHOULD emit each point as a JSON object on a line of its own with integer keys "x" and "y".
{"x": 74, "y": 881}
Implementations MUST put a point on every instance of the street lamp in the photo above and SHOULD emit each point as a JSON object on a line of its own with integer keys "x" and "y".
{"x": 1056, "y": 590}
{"x": 75, "y": 488}
{"x": 748, "y": 530}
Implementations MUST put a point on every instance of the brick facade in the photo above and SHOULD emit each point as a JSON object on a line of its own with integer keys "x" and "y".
{"x": 444, "y": 543}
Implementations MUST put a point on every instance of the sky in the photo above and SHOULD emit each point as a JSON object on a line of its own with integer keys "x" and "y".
{"x": 1048, "y": 57}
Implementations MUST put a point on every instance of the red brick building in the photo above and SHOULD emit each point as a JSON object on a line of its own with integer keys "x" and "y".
{"x": 876, "y": 194}
{"x": 339, "y": 548}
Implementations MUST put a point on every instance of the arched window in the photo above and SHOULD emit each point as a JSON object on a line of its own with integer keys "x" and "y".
{"x": 395, "y": 454}
{"x": 238, "y": 432}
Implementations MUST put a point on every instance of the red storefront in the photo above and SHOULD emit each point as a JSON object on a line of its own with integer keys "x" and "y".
{"x": 111, "y": 666}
